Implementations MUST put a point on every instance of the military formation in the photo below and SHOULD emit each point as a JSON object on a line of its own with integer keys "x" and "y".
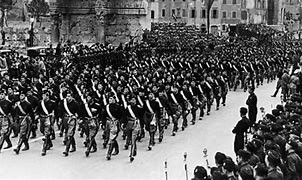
{"x": 132, "y": 91}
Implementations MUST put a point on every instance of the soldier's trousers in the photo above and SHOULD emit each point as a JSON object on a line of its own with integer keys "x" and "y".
{"x": 134, "y": 138}
{"x": 176, "y": 110}
{"x": 217, "y": 98}
{"x": 91, "y": 143}
{"x": 113, "y": 145}
{"x": 71, "y": 127}
{"x": 209, "y": 104}
{"x": 25, "y": 126}
{"x": 4, "y": 131}
{"x": 46, "y": 130}
{"x": 161, "y": 125}
{"x": 184, "y": 114}
{"x": 16, "y": 126}
{"x": 128, "y": 132}
{"x": 33, "y": 128}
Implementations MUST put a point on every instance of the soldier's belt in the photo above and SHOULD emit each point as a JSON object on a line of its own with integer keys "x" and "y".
{"x": 44, "y": 116}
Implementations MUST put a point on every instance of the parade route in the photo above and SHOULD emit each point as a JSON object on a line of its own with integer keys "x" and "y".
{"x": 213, "y": 133}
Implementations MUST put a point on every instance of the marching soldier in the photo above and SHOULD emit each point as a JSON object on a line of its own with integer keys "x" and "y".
{"x": 222, "y": 81}
{"x": 141, "y": 101}
{"x": 92, "y": 116}
{"x": 165, "y": 110}
{"x": 208, "y": 92}
{"x": 188, "y": 101}
{"x": 176, "y": 109}
{"x": 45, "y": 112}
{"x": 151, "y": 117}
{"x": 5, "y": 120}
{"x": 24, "y": 113}
{"x": 195, "y": 101}
{"x": 33, "y": 100}
{"x": 134, "y": 115}
{"x": 69, "y": 112}
{"x": 111, "y": 117}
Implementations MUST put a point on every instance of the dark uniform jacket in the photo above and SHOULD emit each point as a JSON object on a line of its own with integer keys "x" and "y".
{"x": 115, "y": 110}
{"x": 49, "y": 105}
{"x": 155, "y": 107}
{"x": 73, "y": 107}
{"x": 6, "y": 106}
{"x": 241, "y": 127}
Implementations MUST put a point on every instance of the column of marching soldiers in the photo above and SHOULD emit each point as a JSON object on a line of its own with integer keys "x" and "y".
{"x": 135, "y": 100}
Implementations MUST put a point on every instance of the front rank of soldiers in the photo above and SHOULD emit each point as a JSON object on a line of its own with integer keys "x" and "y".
{"x": 131, "y": 102}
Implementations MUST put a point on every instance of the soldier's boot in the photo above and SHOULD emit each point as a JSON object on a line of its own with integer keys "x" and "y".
{"x": 128, "y": 140}
{"x": 9, "y": 143}
{"x": 33, "y": 131}
{"x": 142, "y": 134}
{"x": 53, "y": 134}
{"x": 86, "y": 142}
{"x": 184, "y": 124}
{"x": 26, "y": 145}
{"x": 116, "y": 148}
{"x": 124, "y": 135}
{"x": 151, "y": 141}
{"x": 175, "y": 128}
{"x": 131, "y": 153}
{"x": 65, "y": 140}
{"x": 109, "y": 152}
{"x": 73, "y": 144}
{"x": 94, "y": 146}
{"x": 89, "y": 146}
{"x": 45, "y": 147}
{"x": 201, "y": 113}
{"x": 193, "y": 116}
{"x": 68, "y": 143}
{"x": 161, "y": 135}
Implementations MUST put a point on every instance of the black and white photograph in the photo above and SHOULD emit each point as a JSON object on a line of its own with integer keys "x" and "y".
{"x": 151, "y": 89}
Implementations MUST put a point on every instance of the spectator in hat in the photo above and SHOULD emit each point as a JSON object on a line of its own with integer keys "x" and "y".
{"x": 260, "y": 172}
{"x": 272, "y": 161}
{"x": 293, "y": 161}
{"x": 241, "y": 128}
{"x": 219, "y": 159}
{"x": 200, "y": 173}
{"x": 245, "y": 169}
{"x": 228, "y": 168}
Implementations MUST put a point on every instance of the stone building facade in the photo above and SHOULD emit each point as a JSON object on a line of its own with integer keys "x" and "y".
{"x": 111, "y": 21}
{"x": 191, "y": 12}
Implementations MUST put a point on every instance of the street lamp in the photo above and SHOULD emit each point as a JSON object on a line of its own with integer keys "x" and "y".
{"x": 31, "y": 34}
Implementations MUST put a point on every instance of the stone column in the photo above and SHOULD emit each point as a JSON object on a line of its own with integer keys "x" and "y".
{"x": 55, "y": 27}
{"x": 101, "y": 11}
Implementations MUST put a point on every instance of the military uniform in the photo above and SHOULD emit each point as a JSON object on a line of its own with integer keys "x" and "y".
{"x": 45, "y": 112}
{"x": 252, "y": 108}
{"x": 24, "y": 112}
{"x": 5, "y": 122}
{"x": 68, "y": 112}
{"x": 134, "y": 115}
{"x": 151, "y": 118}
{"x": 176, "y": 109}
{"x": 33, "y": 100}
{"x": 241, "y": 128}
{"x": 91, "y": 117}
{"x": 111, "y": 116}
